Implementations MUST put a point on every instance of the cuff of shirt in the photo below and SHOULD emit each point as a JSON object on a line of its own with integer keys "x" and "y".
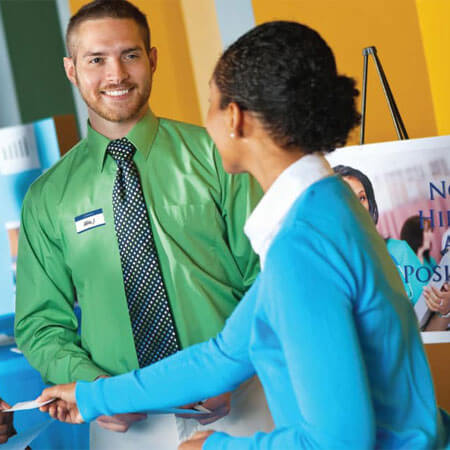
{"x": 216, "y": 441}
{"x": 87, "y": 371}
{"x": 89, "y": 400}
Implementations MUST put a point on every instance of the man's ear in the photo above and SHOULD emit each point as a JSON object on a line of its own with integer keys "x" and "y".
{"x": 153, "y": 58}
{"x": 69, "y": 67}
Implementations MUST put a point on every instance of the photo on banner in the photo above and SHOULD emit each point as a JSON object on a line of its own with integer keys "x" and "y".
{"x": 410, "y": 204}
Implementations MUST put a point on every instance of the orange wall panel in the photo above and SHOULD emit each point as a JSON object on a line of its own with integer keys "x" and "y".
{"x": 434, "y": 18}
{"x": 393, "y": 28}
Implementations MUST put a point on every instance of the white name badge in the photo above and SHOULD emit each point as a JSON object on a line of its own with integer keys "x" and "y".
{"x": 89, "y": 220}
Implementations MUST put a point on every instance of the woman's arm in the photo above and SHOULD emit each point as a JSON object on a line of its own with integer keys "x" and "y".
{"x": 309, "y": 307}
{"x": 198, "y": 372}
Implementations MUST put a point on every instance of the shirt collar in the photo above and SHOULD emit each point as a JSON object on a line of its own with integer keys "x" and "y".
{"x": 266, "y": 220}
{"x": 141, "y": 136}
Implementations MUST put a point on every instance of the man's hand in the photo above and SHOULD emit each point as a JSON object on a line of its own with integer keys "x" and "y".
{"x": 219, "y": 407}
{"x": 120, "y": 422}
{"x": 196, "y": 441}
{"x": 6, "y": 423}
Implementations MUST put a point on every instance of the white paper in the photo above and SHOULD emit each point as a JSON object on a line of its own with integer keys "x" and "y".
{"x": 201, "y": 408}
{"x": 23, "y": 406}
{"x": 177, "y": 411}
{"x": 24, "y": 438}
{"x": 33, "y": 404}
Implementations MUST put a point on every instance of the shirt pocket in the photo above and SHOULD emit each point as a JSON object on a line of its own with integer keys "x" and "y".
{"x": 192, "y": 225}
{"x": 190, "y": 231}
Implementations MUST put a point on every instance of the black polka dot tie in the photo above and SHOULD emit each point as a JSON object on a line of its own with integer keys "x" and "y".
{"x": 148, "y": 304}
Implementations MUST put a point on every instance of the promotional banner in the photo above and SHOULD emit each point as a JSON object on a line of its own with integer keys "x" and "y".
{"x": 405, "y": 186}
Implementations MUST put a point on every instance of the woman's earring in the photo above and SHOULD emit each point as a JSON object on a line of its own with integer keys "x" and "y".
{"x": 232, "y": 135}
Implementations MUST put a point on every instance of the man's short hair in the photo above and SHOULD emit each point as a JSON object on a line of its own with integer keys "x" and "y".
{"x": 100, "y": 9}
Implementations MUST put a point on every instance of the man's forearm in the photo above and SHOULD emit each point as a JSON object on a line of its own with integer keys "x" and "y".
{"x": 60, "y": 362}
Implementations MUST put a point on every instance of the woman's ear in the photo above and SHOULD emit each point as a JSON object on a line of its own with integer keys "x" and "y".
{"x": 235, "y": 119}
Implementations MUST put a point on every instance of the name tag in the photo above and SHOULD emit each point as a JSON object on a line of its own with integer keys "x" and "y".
{"x": 89, "y": 220}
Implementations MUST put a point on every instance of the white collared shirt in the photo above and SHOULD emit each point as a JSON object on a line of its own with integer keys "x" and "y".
{"x": 266, "y": 219}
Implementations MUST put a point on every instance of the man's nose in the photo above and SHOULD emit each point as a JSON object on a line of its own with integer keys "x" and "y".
{"x": 116, "y": 72}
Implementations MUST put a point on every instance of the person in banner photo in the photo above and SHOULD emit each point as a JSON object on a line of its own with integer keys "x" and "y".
{"x": 419, "y": 235}
{"x": 142, "y": 226}
{"x": 327, "y": 325}
{"x": 406, "y": 253}
{"x": 400, "y": 251}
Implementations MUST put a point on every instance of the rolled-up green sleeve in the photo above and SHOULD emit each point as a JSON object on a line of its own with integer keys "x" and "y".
{"x": 240, "y": 195}
{"x": 45, "y": 323}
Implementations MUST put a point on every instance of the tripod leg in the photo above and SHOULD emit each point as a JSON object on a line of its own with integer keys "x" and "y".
{"x": 399, "y": 125}
{"x": 363, "y": 99}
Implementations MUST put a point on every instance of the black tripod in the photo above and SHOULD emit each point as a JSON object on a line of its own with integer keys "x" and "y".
{"x": 398, "y": 122}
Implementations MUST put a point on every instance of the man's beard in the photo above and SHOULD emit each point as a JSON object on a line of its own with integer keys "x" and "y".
{"x": 122, "y": 114}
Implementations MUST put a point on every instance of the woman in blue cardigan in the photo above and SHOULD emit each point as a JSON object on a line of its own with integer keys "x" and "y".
{"x": 401, "y": 253}
{"x": 327, "y": 325}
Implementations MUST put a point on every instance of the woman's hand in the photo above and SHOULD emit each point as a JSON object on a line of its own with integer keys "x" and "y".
{"x": 438, "y": 301}
{"x": 196, "y": 441}
{"x": 64, "y": 408}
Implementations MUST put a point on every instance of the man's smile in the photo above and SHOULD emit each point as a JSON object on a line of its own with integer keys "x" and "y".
{"x": 117, "y": 93}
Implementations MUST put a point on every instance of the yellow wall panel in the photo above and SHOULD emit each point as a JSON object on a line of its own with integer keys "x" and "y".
{"x": 204, "y": 43}
{"x": 174, "y": 92}
{"x": 392, "y": 26}
{"x": 434, "y": 19}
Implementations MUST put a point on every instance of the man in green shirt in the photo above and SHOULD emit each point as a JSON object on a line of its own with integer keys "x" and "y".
{"x": 68, "y": 247}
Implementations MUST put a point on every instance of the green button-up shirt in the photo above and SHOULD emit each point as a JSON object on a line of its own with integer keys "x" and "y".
{"x": 197, "y": 213}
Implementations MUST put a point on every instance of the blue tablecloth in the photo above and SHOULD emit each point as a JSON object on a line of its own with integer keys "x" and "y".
{"x": 20, "y": 382}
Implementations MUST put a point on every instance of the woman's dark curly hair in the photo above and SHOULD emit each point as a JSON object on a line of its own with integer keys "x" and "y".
{"x": 347, "y": 171}
{"x": 285, "y": 73}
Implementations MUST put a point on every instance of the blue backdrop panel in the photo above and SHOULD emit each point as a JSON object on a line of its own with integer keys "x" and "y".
{"x": 13, "y": 188}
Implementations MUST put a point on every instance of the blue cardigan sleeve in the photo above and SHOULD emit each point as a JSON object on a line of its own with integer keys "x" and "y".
{"x": 308, "y": 304}
{"x": 198, "y": 372}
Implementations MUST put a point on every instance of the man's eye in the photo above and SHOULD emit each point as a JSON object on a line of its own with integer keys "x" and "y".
{"x": 96, "y": 60}
{"x": 362, "y": 198}
{"x": 132, "y": 56}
